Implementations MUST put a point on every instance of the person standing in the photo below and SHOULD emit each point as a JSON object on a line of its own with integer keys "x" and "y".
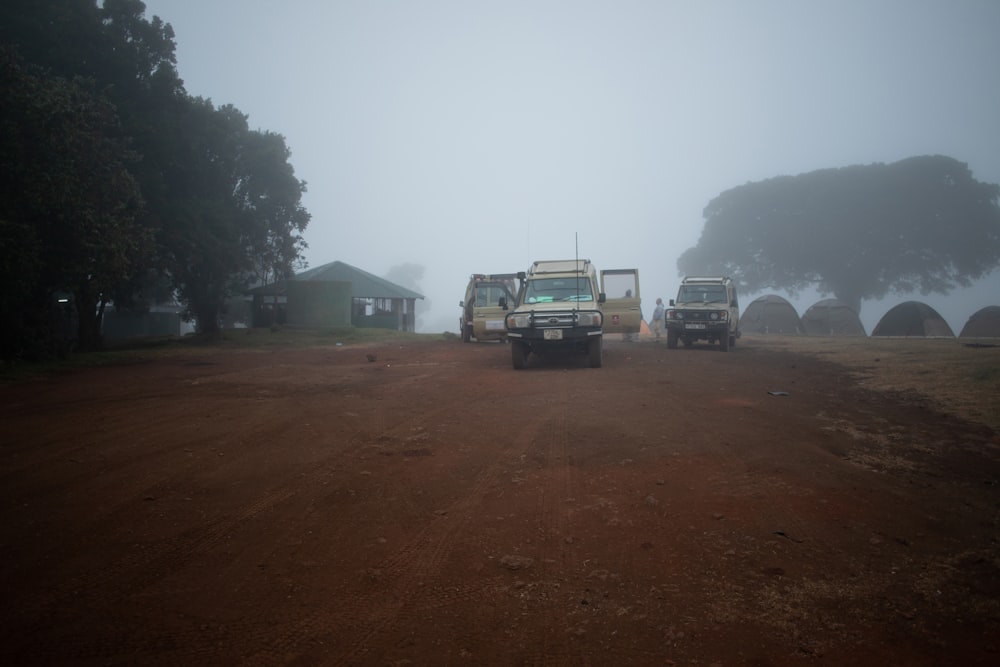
{"x": 658, "y": 318}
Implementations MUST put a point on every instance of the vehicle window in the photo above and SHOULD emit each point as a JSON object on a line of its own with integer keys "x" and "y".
{"x": 620, "y": 285}
{"x": 704, "y": 294}
{"x": 542, "y": 290}
{"x": 488, "y": 294}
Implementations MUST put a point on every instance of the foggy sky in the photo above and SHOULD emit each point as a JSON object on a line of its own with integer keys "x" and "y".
{"x": 475, "y": 136}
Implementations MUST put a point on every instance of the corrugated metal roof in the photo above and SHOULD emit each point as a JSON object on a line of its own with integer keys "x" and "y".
{"x": 363, "y": 284}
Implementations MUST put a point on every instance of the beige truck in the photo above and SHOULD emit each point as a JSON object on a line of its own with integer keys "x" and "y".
{"x": 567, "y": 304}
{"x": 482, "y": 316}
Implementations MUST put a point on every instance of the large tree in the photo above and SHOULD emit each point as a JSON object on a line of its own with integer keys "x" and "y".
{"x": 200, "y": 239}
{"x": 234, "y": 216}
{"x": 68, "y": 200}
{"x": 222, "y": 200}
{"x": 270, "y": 199}
{"x": 859, "y": 232}
{"x": 119, "y": 71}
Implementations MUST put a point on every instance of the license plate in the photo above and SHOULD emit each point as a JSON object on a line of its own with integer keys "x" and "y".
{"x": 552, "y": 334}
{"x": 694, "y": 326}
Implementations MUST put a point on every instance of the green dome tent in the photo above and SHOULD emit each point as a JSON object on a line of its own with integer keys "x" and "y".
{"x": 984, "y": 323}
{"x": 771, "y": 314}
{"x": 832, "y": 317}
{"x": 913, "y": 318}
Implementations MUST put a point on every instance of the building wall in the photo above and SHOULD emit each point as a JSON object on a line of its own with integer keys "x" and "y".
{"x": 393, "y": 314}
{"x": 319, "y": 303}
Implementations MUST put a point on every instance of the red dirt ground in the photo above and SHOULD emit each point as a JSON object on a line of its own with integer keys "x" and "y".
{"x": 436, "y": 507}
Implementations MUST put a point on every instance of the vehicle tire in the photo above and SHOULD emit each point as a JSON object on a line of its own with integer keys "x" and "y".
{"x": 672, "y": 339}
{"x": 519, "y": 354}
{"x": 595, "y": 352}
{"x": 724, "y": 342}
{"x": 732, "y": 341}
{"x": 466, "y": 334}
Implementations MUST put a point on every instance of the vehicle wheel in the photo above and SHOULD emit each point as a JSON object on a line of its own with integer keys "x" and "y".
{"x": 595, "y": 353}
{"x": 732, "y": 341}
{"x": 672, "y": 339}
{"x": 518, "y": 354}
{"x": 466, "y": 334}
{"x": 724, "y": 342}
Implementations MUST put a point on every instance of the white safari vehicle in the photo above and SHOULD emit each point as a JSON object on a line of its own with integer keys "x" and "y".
{"x": 567, "y": 304}
{"x": 706, "y": 308}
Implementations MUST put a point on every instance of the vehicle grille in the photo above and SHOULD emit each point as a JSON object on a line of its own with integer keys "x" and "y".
{"x": 557, "y": 319}
{"x": 701, "y": 315}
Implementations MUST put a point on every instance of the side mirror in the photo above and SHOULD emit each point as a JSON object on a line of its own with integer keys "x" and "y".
{"x": 502, "y": 302}
{"x": 671, "y": 302}
{"x": 461, "y": 304}
{"x": 521, "y": 275}
{"x": 602, "y": 297}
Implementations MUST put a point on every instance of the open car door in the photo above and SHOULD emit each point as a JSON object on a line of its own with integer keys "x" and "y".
{"x": 622, "y": 305}
{"x": 487, "y": 315}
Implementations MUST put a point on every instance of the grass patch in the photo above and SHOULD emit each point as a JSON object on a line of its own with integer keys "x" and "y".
{"x": 139, "y": 350}
{"x": 301, "y": 337}
{"x": 987, "y": 375}
{"x": 959, "y": 378}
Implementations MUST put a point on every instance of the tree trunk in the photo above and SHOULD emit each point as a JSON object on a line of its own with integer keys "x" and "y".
{"x": 852, "y": 300}
{"x": 89, "y": 337}
{"x": 207, "y": 319}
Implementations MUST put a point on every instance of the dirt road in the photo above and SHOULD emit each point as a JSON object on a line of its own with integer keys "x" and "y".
{"x": 432, "y": 506}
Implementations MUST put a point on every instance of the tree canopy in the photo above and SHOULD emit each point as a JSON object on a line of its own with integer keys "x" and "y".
{"x": 117, "y": 184}
{"x": 859, "y": 232}
{"x": 69, "y": 204}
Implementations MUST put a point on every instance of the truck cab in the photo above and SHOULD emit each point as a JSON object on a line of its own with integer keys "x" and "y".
{"x": 706, "y": 308}
{"x": 566, "y": 304}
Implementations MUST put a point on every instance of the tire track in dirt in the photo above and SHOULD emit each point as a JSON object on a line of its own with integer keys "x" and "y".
{"x": 556, "y": 489}
{"x": 102, "y": 587}
{"x": 763, "y": 547}
{"x": 777, "y": 544}
{"x": 402, "y": 585}
{"x": 145, "y": 564}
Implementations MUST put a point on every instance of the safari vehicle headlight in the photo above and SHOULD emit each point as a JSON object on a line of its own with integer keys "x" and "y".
{"x": 518, "y": 321}
{"x": 589, "y": 319}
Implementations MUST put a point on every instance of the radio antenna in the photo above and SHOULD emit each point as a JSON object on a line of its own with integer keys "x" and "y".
{"x": 576, "y": 249}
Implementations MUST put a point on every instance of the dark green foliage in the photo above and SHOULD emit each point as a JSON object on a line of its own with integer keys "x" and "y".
{"x": 860, "y": 232}
{"x": 69, "y": 200}
{"x": 118, "y": 186}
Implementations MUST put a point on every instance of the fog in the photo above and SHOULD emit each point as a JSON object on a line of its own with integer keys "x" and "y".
{"x": 443, "y": 138}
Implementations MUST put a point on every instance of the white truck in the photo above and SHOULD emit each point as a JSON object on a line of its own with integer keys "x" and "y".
{"x": 562, "y": 304}
{"x": 706, "y": 308}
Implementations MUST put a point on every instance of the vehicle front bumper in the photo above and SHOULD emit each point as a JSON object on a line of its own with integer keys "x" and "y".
{"x": 554, "y": 335}
{"x": 700, "y": 328}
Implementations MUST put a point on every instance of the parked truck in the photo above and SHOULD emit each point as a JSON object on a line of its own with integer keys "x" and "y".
{"x": 482, "y": 316}
{"x": 566, "y": 304}
{"x": 706, "y": 308}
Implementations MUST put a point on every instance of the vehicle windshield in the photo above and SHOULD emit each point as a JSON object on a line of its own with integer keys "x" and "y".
{"x": 702, "y": 294}
{"x": 488, "y": 294}
{"x": 542, "y": 290}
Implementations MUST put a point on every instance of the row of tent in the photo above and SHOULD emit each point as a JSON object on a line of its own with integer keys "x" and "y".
{"x": 832, "y": 317}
